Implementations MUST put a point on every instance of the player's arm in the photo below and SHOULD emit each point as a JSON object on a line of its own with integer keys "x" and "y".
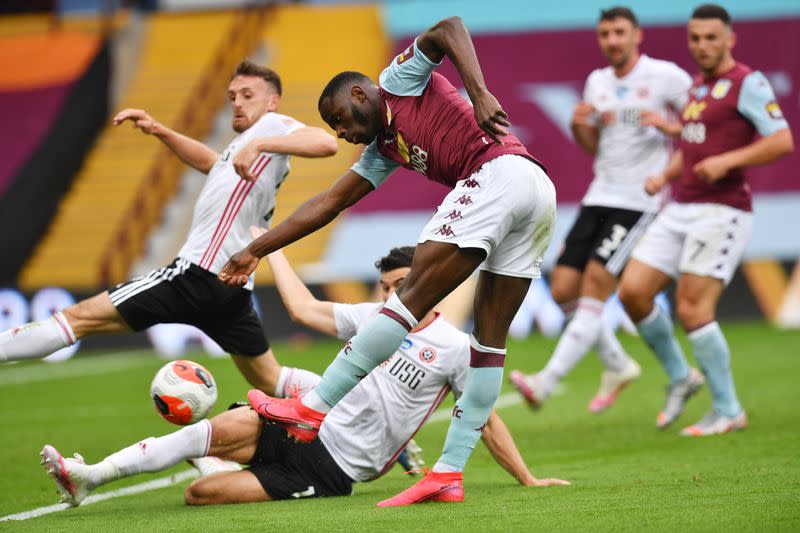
{"x": 758, "y": 105}
{"x": 450, "y": 38}
{"x": 504, "y": 450}
{"x": 312, "y": 215}
{"x": 584, "y": 129}
{"x": 671, "y": 172}
{"x": 303, "y": 142}
{"x": 194, "y": 153}
{"x": 765, "y": 150}
{"x": 303, "y": 307}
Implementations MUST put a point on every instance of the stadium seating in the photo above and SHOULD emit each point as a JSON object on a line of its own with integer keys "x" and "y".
{"x": 299, "y": 40}
{"x": 117, "y": 197}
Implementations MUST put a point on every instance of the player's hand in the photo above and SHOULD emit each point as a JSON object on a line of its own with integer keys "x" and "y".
{"x": 490, "y": 116}
{"x": 712, "y": 169}
{"x": 652, "y": 118}
{"x": 583, "y": 114}
{"x": 140, "y": 120}
{"x": 238, "y": 268}
{"x": 654, "y": 184}
{"x": 243, "y": 162}
{"x": 547, "y": 482}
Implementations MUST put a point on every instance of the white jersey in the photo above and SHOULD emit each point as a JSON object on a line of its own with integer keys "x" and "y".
{"x": 229, "y": 205}
{"x": 370, "y": 427}
{"x": 627, "y": 152}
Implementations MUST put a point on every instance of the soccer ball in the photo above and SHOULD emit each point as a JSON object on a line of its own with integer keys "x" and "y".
{"x": 183, "y": 392}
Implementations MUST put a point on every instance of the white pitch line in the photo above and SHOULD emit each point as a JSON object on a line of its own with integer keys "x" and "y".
{"x": 88, "y": 366}
{"x": 154, "y": 484}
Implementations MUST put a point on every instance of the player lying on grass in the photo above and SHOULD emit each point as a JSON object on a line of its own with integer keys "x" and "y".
{"x": 362, "y": 436}
{"x": 188, "y": 291}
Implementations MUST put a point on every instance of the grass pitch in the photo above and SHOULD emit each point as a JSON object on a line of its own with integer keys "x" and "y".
{"x": 626, "y": 475}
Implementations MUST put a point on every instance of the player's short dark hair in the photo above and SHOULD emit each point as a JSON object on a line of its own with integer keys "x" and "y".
{"x": 248, "y": 68}
{"x": 342, "y": 80}
{"x": 619, "y": 12}
{"x": 399, "y": 257}
{"x": 712, "y": 11}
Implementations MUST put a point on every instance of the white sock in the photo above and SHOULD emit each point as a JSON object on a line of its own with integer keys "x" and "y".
{"x": 36, "y": 340}
{"x": 611, "y": 352}
{"x": 578, "y": 338}
{"x": 444, "y": 467}
{"x": 295, "y": 382}
{"x": 154, "y": 454}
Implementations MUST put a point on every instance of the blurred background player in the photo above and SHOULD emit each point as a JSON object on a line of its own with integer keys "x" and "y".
{"x": 499, "y": 216}
{"x": 622, "y": 122}
{"x": 361, "y": 439}
{"x": 187, "y": 290}
{"x": 699, "y": 238}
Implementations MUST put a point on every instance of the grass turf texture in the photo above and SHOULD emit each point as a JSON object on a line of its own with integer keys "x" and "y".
{"x": 626, "y": 475}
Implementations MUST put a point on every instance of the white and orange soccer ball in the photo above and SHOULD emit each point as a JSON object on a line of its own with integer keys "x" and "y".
{"x": 183, "y": 392}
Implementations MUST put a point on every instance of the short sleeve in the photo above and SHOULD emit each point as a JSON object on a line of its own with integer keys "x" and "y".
{"x": 374, "y": 167}
{"x": 275, "y": 125}
{"x": 458, "y": 375}
{"x": 758, "y": 104}
{"x": 408, "y": 73}
{"x": 349, "y": 317}
{"x": 677, "y": 84}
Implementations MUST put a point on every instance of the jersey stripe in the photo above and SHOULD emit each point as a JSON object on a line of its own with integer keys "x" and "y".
{"x": 258, "y": 167}
{"x": 219, "y": 224}
{"x": 228, "y": 224}
{"x": 434, "y": 405}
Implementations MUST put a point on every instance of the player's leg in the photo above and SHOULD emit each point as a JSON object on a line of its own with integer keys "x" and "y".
{"x": 225, "y": 488}
{"x": 233, "y": 434}
{"x": 719, "y": 237}
{"x": 583, "y": 331}
{"x": 36, "y": 340}
{"x": 437, "y": 269}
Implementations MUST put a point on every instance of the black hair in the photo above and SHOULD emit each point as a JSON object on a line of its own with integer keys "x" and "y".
{"x": 248, "y": 68}
{"x": 342, "y": 80}
{"x": 712, "y": 11}
{"x": 399, "y": 257}
{"x": 619, "y": 12}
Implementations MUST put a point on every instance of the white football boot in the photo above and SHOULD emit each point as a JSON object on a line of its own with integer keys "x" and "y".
{"x": 677, "y": 396}
{"x": 612, "y": 383}
{"x": 530, "y": 388}
{"x": 715, "y": 424}
{"x": 70, "y": 475}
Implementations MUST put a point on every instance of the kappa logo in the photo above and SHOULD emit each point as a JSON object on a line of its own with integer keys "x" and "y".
{"x": 454, "y": 214}
{"x": 464, "y": 200}
{"x": 700, "y": 92}
{"x": 427, "y": 354}
{"x": 142, "y": 446}
{"x": 445, "y": 231}
{"x": 471, "y": 183}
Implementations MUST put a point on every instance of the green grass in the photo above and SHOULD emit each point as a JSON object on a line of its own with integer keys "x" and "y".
{"x": 626, "y": 475}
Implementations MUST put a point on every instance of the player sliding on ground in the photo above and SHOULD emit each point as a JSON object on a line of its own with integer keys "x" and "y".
{"x": 361, "y": 439}
{"x": 499, "y": 217}
{"x": 700, "y": 237}
{"x": 188, "y": 291}
{"x": 622, "y": 123}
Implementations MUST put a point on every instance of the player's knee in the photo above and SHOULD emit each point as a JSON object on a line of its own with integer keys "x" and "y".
{"x": 564, "y": 293}
{"x": 633, "y": 300}
{"x": 692, "y": 314}
{"x": 197, "y": 493}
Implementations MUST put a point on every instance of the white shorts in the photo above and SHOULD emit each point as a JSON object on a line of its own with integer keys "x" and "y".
{"x": 507, "y": 208}
{"x": 702, "y": 239}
